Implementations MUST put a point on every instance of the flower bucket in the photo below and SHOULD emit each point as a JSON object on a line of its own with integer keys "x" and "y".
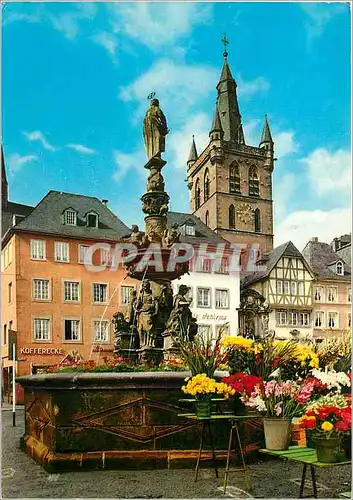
{"x": 203, "y": 408}
{"x": 327, "y": 449}
{"x": 238, "y": 407}
{"x": 347, "y": 447}
{"x": 277, "y": 433}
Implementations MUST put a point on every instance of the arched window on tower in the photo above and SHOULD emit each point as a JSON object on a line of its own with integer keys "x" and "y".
{"x": 207, "y": 218}
{"x": 206, "y": 185}
{"x": 197, "y": 194}
{"x": 257, "y": 220}
{"x": 234, "y": 179}
{"x": 253, "y": 182}
{"x": 231, "y": 214}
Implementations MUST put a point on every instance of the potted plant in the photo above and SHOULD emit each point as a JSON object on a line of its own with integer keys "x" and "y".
{"x": 242, "y": 384}
{"x": 327, "y": 425}
{"x": 279, "y": 402}
{"x": 203, "y": 389}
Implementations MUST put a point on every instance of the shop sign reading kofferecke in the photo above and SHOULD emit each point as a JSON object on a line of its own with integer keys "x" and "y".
{"x": 41, "y": 350}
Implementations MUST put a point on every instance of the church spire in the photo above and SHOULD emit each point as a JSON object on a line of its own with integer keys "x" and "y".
{"x": 4, "y": 185}
{"x": 227, "y": 101}
{"x": 266, "y": 137}
{"x": 193, "y": 152}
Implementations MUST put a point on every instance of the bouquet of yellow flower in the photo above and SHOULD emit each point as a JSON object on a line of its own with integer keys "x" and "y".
{"x": 202, "y": 387}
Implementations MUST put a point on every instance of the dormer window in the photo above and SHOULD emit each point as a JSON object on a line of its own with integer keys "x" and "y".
{"x": 92, "y": 219}
{"x": 189, "y": 230}
{"x": 339, "y": 268}
{"x": 70, "y": 217}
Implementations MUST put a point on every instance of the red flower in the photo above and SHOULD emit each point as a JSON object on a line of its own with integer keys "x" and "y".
{"x": 342, "y": 426}
{"x": 307, "y": 423}
{"x": 276, "y": 361}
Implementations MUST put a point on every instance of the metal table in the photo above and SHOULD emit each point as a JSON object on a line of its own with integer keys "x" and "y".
{"x": 233, "y": 419}
{"x": 306, "y": 456}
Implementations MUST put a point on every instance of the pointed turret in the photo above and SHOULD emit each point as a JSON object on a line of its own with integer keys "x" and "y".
{"x": 241, "y": 138}
{"x": 216, "y": 131}
{"x": 227, "y": 102}
{"x": 266, "y": 137}
{"x": 193, "y": 153}
{"x": 4, "y": 185}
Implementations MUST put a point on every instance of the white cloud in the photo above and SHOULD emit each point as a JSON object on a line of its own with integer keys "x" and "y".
{"x": 12, "y": 17}
{"x": 179, "y": 142}
{"x": 285, "y": 144}
{"x": 127, "y": 162}
{"x": 248, "y": 89}
{"x": 37, "y": 135}
{"x": 329, "y": 171}
{"x": 178, "y": 86}
{"x": 252, "y": 132}
{"x": 156, "y": 24}
{"x": 283, "y": 190}
{"x": 319, "y": 14}
{"x": 16, "y": 161}
{"x": 80, "y": 148}
{"x": 68, "y": 23}
{"x": 107, "y": 40}
{"x": 300, "y": 226}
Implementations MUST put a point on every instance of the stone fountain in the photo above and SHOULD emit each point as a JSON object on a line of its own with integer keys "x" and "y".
{"x": 154, "y": 317}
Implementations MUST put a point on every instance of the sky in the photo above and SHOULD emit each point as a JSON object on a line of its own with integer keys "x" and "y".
{"x": 76, "y": 77}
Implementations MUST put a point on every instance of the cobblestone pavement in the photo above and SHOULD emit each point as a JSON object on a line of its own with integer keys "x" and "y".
{"x": 22, "y": 477}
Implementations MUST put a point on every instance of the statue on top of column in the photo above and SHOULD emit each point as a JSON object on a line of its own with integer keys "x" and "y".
{"x": 154, "y": 130}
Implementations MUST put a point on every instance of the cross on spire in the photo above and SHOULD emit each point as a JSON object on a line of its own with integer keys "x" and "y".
{"x": 225, "y": 43}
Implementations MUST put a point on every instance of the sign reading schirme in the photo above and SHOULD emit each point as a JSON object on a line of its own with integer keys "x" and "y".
{"x": 42, "y": 350}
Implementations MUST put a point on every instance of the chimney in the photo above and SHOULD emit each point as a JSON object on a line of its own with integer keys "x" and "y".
{"x": 105, "y": 202}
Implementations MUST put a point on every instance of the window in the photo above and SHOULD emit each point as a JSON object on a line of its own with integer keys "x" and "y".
{"x": 257, "y": 220}
{"x": 82, "y": 249}
{"x": 282, "y": 318}
{"x": 223, "y": 268}
{"x": 339, "y": 268}
{"x": 203, "y": 297}
{"x": 92, "y": 220}
{"x": 304, "y": 319}
{"x": 204, "y": 331}
{"x": 286, "y": 287}
{"x": 332, "y": 320}
{"x": 72, "y": 291}
{"x": 197, "y": 195}
{"x": 100, "y": 292}
{"x": 234, "y": 179}
{"x": 332, "y": 294}
{"x": 293, "y": 318}
{"x": 301, "y": 288}
{"x": 222, "y": 328}
{"x": 293, "y": 287}
{"x": 72, "y": 329}
{"x": 206, "y": 185}
{"x": 7, "y": 255}
{"x": 319, "y": 319}
{"x": 5, "y": 334}
{"x": 189, "y": 230}
{"x": 222, "y": 299}
{"x": 253, "y": 182}
{"x": 70, "y": 217}
{"x": 41, "y": 289}
{"x": 38, "y": 250}
{"x": 101, "y": 331}
{"x": 231, "y": 217}
{"x": 41, "y": 329}
{"x": 319, "y": 294}
{"x": 206, "y": 265}
{"x": 279, "y": 286}
{"x": 106, "y": 257}
{"x": 349, "y": 320}
{"x": 126, "y": 295}
{"x": 61, "y": 251}
{"x": 349, "y": 295}
{"x": 207, "y": 218}
{"x": 10, "y": 292}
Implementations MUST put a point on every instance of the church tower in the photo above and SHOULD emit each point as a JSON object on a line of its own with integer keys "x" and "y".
{"x": 230, "y": 182}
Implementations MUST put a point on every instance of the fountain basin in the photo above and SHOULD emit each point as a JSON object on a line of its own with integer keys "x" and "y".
{"x": 116, "y": 421}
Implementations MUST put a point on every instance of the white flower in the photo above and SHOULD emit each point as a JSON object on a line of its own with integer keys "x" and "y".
{"x": 332, "y": 379}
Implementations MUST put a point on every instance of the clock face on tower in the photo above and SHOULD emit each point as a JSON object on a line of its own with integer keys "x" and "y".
{"x": 245, "y": 213}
